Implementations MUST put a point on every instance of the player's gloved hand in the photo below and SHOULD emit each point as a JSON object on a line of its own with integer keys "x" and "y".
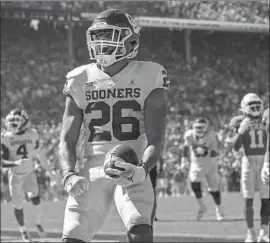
{"x": 265, "y": 173}
{"x": 20, "y": 161}
{"x": 243, "y": 127}
{"x": 200, "y": 150}
{"x": 132, "y": 174}
{"x": 75, "y": 185}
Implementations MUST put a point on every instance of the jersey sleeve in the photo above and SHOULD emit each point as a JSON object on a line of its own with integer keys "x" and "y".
{"x": 162, "y": 79}
{"x": 75, "y": 80}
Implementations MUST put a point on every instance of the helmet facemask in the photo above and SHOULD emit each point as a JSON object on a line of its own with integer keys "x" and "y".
{"x": 200, "y": 129}
{"x": 16, "y": 123}
{"x": 253, "y": 109}
{"x": 107, "y": 44}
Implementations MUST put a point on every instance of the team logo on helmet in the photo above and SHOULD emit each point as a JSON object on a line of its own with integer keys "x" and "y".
{"x": 113, "y": 36}
{"x": 17, "y": 121}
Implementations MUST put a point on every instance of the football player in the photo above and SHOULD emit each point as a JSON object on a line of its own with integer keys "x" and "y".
{"x": 265, "y": 169}
{"x": 251, "y": 137}
{"x": 119, "y": 101}
{"x": 201, "y": 147}
{"x": 19, "y": 145}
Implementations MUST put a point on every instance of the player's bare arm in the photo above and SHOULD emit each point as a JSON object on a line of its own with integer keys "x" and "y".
{"x": 154, "y": 119}
{"x": 71, "y": 125}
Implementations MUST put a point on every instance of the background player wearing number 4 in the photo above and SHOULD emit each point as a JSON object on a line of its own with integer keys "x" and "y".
{"x": 252, "y": 137}
{"x": 19, "y": 144}
{"x": 120, "y": 102}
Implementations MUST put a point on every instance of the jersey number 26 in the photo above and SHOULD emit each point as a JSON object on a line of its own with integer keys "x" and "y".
{"x": 117, "y": 120}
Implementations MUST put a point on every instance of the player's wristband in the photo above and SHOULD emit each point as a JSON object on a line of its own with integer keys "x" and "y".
{"x": 146, "y": 168}
{"x": 66, "y": 174}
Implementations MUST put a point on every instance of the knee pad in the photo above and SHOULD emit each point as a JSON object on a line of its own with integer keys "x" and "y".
{"x": 71, "y": 240}
{"x": 35, "y": 200}
{"x": 141, "y": 233}
{"x": 265, "y": 207}
{"x": 197, "y": 189}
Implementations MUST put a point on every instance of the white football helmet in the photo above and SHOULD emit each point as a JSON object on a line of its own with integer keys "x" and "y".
{"x": 252, "y": 105}
{"x": 16, "y": 121}
{"x": 113, "y": 36}
{"x": 200, "y": 126}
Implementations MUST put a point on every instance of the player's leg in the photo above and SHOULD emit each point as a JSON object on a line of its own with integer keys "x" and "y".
{"x": 85, "y": 215}
{"x": 248, "y": 188}
{"x": 196, "y": 176}
{"x": 136, "y": 207}
{"x": 213, "y": 182}
{"x": 30, "y": 186}
{"x": 153, "y": 178}
{"x": 265, "y": 208}
{"x": 16, "y": 193}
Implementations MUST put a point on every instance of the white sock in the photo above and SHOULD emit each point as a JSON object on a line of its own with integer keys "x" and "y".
{"x": 23, "y": 228}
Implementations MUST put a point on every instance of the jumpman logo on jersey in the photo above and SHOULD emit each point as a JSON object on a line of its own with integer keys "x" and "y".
{"x": 132, "y": 82}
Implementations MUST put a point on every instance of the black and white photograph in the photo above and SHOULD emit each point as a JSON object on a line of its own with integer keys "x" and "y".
{"x": 135, "y": 121}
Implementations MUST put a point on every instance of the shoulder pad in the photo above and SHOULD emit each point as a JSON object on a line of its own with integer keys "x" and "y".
{"x": 235, "y": 121}
{"x": 161, "y": 78}
{"x": 76, "y": 71}
{"x": 74, "y": 79}
{"x": 34, "y": 133}
{"x": 5, "y": 136}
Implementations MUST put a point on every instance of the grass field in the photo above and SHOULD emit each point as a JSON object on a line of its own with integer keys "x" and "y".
{"x": 176, "y": 221}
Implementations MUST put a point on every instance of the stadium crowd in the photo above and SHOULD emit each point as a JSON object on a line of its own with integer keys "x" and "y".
{"x": 224, "y": 67}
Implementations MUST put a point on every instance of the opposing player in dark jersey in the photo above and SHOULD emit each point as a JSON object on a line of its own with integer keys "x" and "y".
{"x": 251, "y": 138}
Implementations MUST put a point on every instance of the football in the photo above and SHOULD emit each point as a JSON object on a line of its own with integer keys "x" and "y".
{"x": 118, "y": 153}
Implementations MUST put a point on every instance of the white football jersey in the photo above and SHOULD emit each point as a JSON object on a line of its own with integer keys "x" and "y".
{"x": 200, "y": 147}
{"x": 22, "y": 146}
{"x": 114, "y": 115}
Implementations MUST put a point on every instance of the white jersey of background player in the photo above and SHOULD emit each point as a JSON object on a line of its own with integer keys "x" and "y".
{"x": 19, "y": 145}
{"x": 119, "y": 102}
{"x": 201, "y": 147}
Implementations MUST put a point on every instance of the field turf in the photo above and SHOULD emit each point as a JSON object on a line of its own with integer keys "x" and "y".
{"x": 176, "y": 221}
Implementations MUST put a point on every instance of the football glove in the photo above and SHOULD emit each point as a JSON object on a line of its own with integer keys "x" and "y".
{"x": 243, "y": 127}
{"x": 131, "y": 175}
{"x": 75, "y": 185}
{"x": 200, "y": 151}
{"x": 20, "y": 161}
{"x": 265, "y": 173}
